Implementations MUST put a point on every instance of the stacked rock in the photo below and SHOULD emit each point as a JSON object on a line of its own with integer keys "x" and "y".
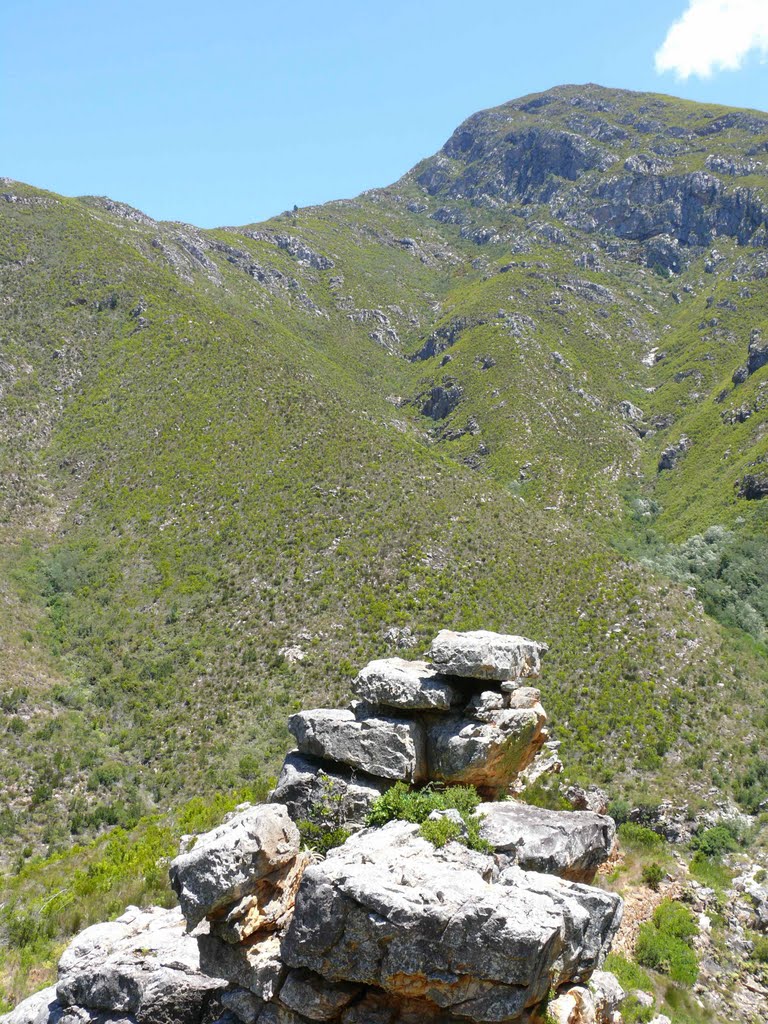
{"x": 466, "y": 716}
{"x": 387, "y": 928}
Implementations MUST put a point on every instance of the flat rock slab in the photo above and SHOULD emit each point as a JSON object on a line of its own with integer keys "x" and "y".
{"x": 227, "y": 863}
{"x": 390, "y": 910}
{"x": 412, "y": 685}
{"x": 481, "y": 654}
{"x": 488, "y": 754}
{"x": 390, "y": 748}
{"x": 571, "y": 844}
{"x": 315, "y": 790}
{"x": 144, "y": 965}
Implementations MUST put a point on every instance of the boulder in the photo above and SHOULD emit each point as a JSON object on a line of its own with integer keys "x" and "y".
{"x": 242, "y": 1004}
{"x": 485, "y": 655}
{"x": 39, "y": 1008}
{"x": 571, "y": 844}
{"x": 254, "y": 964}
{"x": 143, "y": 965}
{"x": 487, "y": 754}
{"x": 228, "y": 862}
{"x": 391, "y": 748}
{"x": 268, "y": 908}
{"x": 388, "y": 909}
{"x": 314, "y": 997}
{"x": 413, "y": 685}
{"x": 314, "y": 790}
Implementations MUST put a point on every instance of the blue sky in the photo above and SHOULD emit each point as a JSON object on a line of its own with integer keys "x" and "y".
{"x": 231, "y": 113}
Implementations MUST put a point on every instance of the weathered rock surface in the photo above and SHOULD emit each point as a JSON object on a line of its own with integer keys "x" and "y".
{"x": 391, "y": 748}
{"x": 312, "y": 996}
{"x": 39, "y": 1008}
{"x": 143, "y": 965}
{"x": 414, "y": 685}
{"x": 268, "y": 907}
{"x": 482, "y": 654}
{"x": 227, "y": 863}
{"x": 388, "y": 909}
{"x": 487, "y": 754}
{"x": 255, "y": 965}
{"x": 308, "y": 787}
{"x": 571, "y": 844}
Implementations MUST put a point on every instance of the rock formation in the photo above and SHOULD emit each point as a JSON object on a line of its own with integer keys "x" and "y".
{"x": 386, "y": 927}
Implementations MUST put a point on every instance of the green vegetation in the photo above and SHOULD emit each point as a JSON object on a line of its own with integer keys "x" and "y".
{"x": 664, "y": 943}
{"x": 213, "y": 450}
{"x": 401, "y": 803}
{"x": 639, "y": 837}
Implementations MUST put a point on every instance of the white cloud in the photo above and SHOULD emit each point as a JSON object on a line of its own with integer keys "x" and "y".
{"x": 714, "y": 35}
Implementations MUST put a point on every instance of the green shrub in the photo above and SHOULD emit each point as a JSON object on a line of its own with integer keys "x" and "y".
{"x": 663, "y": 943}
{"x": 400, "y": 803}
{"x": 321, "y": 838}
{"x": 709, "y": 872}
{"x": 441, "y": 831}
{"x": 652, "y": 875}
{"x": 760, "y": 949}
{"x": 639, "y": 836}
{"x": 630, "y": 975}
{"x": 619, "y": 810}
{"x": 633, "y": 1011}
{"x": 714, "y": 842}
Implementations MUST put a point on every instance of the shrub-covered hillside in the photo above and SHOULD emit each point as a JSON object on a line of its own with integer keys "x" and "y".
{"x": 524, "y": 388}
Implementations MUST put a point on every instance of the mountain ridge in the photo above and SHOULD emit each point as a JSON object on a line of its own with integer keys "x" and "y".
{"x": 227, "y": 479}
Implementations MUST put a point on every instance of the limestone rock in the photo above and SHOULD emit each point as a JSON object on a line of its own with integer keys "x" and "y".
{"x": 388, "y": 909}
{"x": 36, "y": 1009}
{"x": 144, "y": 965}
{"x": 314, "y": 997}
{"x": 268, "y": 907}
{"x": 227, "y": 863}
{"x": 311, "y": 789}
{"x": 255, "y": 964}
{"x": 485, "y": 655}
{"x": 414, "y": 685}
{"x": 244, "y": 1005}
{"x": 520, "y": 696}
{"x": 487, "y": 754}
{"x": 571, "y": 844}
{"x": 391, "y": 748}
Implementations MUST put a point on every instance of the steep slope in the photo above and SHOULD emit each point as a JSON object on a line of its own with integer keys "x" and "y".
{"x": 237, "y": 462}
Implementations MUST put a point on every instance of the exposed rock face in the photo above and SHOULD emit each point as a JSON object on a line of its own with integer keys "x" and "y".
{"x": 226, "y": 864}
{"x": 392, "y": 748}
{"x": 672, "y": 455}
{"x": 306, "y": 783}
{"x": 571, "y": 844}
{"x": 387, "y": 929}
{"x": 140, "y": 969}
{"x": 388, "y": 909}
{"x": 486, "y": 754}
{"x": 753, "y": 486}
{"x": 414, "y": 685}
{"x": 485, "y": 655}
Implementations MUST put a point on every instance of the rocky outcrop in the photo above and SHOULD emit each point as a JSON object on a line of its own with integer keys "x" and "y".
{"x": 142, "y": 968}
{"x": 387, "y": 927}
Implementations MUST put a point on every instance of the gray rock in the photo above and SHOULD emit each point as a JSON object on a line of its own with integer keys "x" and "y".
{"x": 227, "y": 863}
{"x": 143, "y": 965}
{"x": 487, "y": 754}
{"x": 391, "y": 748}
{"x": 484, "y": 655}
{"x": 266, "y": 909}
{"x": 315, "y": 790}
{"x": 630, "y": 411}
{"x": 39, "y": 1008}
{"x": 672, "y": 455}
{"x": 520, "y": 696}
{"x": 255, "y": 964}
{"x": 483, "y": 706}
{"x": 414, "y": 685}
{"x": 758, "y": 353}
{"x": 388, "y": 909}
{"x": 571, "y": 844}
{"x": 242, "y": 1004}
{"x": 740, "y": 375}
{"x": 314, "y": 997}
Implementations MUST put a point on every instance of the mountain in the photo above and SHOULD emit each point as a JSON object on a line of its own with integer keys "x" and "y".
{"x": 524, "y": 388}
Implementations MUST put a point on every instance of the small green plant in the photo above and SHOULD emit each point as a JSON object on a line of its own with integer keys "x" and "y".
{"x": 663, "y": 943}
{"x": 327, "y": 826}
{"x": 639, "y": 837}
{"x": 633, "y": 1011}
{"x": 404, "y": 804}
{"x": 716, "y": 841}
{"x": 652, "y": 875}
{"x": 760, "y": 949}
{"x": 709, "y": 871}
{"x": 630, "y": 974}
